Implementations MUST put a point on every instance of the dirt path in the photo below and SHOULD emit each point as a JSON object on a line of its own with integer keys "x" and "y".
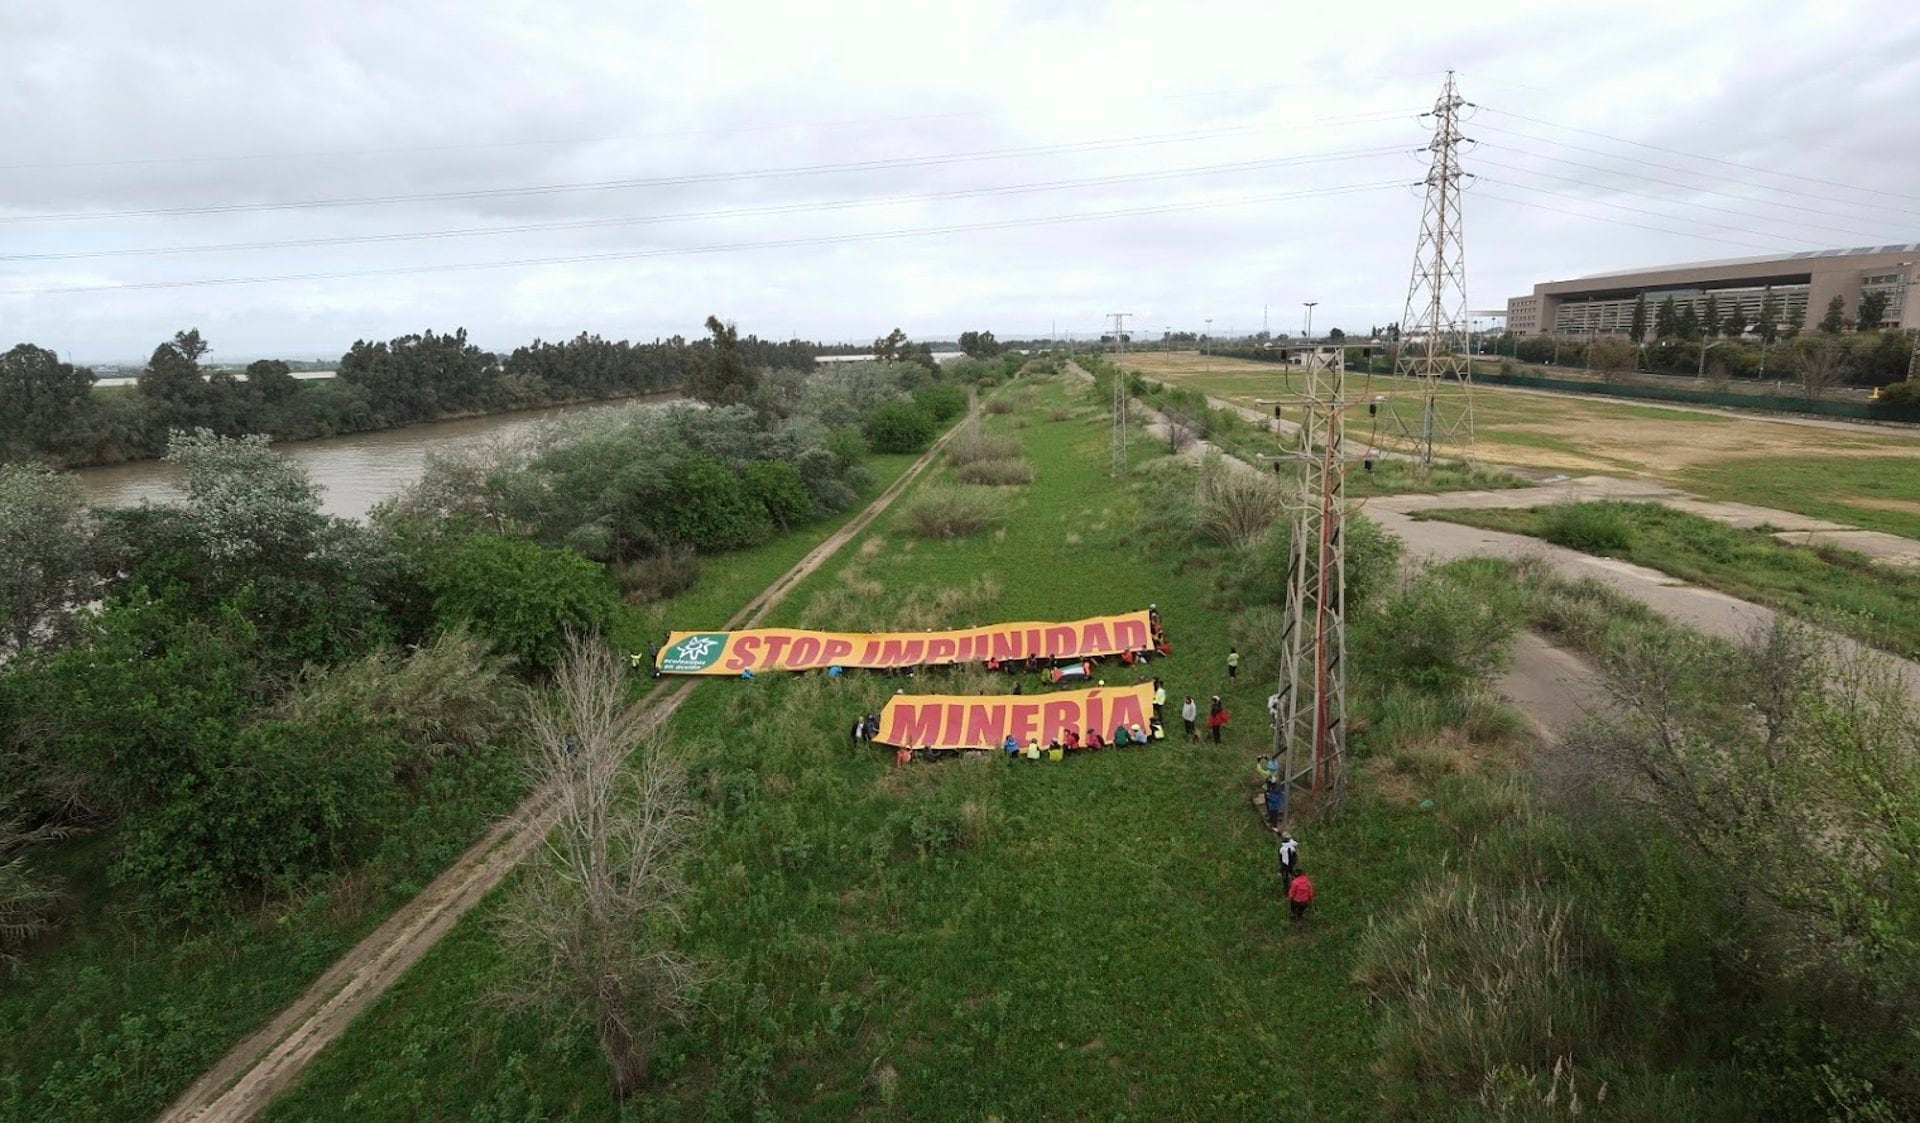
{"x": 269, "y": 1062}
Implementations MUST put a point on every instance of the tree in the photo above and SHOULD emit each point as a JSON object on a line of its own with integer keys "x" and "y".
{"x": 1873, "y": 310}
{"x": 46, "y": 401}
{"x": 1767, "y": 324}
{"x": 1666, "y": 319}
{"x": 1735, "y": 325}
{"x": 176, "y": 391}
{"x": 1613, "y": 358}
{"x": 979, "y": 344}
{"x": 272, "y": 380}
{"x": 1710, "y": 317}
{"x": 1638, "y": 332}
{"x": 887, "y": 347}
{"x": 248, "y": 507}
{"x": 1687, "y": 326}
{"x": 523, "y": 598}
{"x": 1336, "y": 335}
{"x": 27, "y": 898}
{"x": 1818, "y": 363}
{"x": 1835, "y": 321}
{"x": 46, "y": 557}
{"x": 722, "y": 377}
{"x": 592, "y": 927}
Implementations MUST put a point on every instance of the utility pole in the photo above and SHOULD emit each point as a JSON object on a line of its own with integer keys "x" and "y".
{"x": 1119, "y": 441}
{"x": 1263, "y": 324}
{"x": 1311, "y": 726}
{"x": 1207, "y": 345}
{"x": 1437, "y": 297}
{"x": 1310, "y": 347}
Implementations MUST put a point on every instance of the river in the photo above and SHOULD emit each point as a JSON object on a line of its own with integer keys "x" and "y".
{"x": 355, "y": 472}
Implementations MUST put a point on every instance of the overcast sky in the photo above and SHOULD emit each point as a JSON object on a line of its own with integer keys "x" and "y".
{"x": 1257, "y": 154}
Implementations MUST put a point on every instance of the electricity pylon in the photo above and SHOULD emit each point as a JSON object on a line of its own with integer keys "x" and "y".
{"x": 1310, "y": 728}
{"x": 1435, "y": 344}
{"x": 1120, "y": 395}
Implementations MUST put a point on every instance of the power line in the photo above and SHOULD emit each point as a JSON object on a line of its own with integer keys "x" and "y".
{"x": 1073, "y": 147}
{"x": 735, "y": 212}
{"x": 1851, "y": 233}
{"x": 1623, "y": 222}
{"x": 1687, "y": 171}
{"x": 1697, "y": 156}
{"x": 835, "y": 239}
{"x": 1651, "y": 214}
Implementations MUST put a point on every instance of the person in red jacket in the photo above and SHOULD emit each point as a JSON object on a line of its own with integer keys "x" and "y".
{"x": 1299, "y": 896}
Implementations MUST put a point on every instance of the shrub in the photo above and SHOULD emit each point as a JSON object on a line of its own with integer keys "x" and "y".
{"x": 778, "y": 486}
{"x": 1593, "y": 528}
{"x": 1242, "y": 508}
{"x": 715, "y": 510}
{"x": 974, "y": 443}
{"x": 1439, "y": 632}
{"x": 262, "y": 811}
{"x": 900, "y": 427}
{"x": 951, "y": 512}
{"x": 995, "y": 473}
{"x": 998, "y": 404}
{"x": 522, "y": 597}
{"x": 1373, "y": 558}
{"x": 848, "y": 445}
{"x": 658, "y": 576}
{"x": 942, "y": 401}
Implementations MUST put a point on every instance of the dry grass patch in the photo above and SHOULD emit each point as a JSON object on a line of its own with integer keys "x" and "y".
{"x": 952, "y": 511}
{"x": 995, "y": 473}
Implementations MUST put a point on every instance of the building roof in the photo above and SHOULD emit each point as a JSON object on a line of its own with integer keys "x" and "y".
{"x": 1898, "y": 247}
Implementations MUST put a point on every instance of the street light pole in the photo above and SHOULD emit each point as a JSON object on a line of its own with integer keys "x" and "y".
{"x": 1207, "y": 345}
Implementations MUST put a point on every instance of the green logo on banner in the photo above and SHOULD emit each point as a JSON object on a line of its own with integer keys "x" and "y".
{"x": 694, "y": 654}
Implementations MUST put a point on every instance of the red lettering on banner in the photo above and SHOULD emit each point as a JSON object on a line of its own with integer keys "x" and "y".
{"x": 1096, "y": 712}
{"x": 913, "y": 726}
{"x": 900, "y": 653}
{"x": 1055, "y": 717}
{"x": 836, "y": 652}
{"x": 1127, "y": 711}
{"x": 1096, "y": 641}
{"x": 744, "y": 650}
{"x": 1006, "y": 645}
{"x": 1131, "y": 635}
{"x": 1033, "y": 643}
{"x": 776, "y": 646}
{"x": 1062, "y": 643}
{"x": 1024, "y": 715}
{"x": 871, "y": 657}
{"x": 956, "y": 723}
{"x": 940, "y": 651}
{"x": 805, "y": 653}
{"x": 986, "y": 726}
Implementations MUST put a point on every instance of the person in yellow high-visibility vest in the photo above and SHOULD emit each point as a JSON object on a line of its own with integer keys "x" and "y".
{"x": 1159, "y": 699}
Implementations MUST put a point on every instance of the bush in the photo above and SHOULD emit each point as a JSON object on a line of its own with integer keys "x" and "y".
{"x": 777, "y": 486}
{"x": 995, "y": 473}
{"x": 951, "y": 512}
{"x": 943, "y": 402}
{"x": 1242, "y": 508}
{"x": 716, "y": 510}
{"x": 974, "y": 443}
{"x": 1373, "y": 558}
{"x": 262, "y": 811}
{"x": 1592, "y": 528}
{"x": 998, "y": 404}
{"x": 900, "y": 427}
{"x": 1439, "y": 632}
{"x": 654, "y": 577}
{"x": 522, "y": 597}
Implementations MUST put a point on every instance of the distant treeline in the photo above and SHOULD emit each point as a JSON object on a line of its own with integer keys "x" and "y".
{"x": 49, "y": 410}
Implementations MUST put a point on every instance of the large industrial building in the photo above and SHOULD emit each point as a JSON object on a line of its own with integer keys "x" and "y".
{"x": 1804, "y": 283}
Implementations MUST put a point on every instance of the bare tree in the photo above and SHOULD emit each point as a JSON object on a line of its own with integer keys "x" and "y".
{"x": 1820, "y": 364}
{"x": 594, "y": 926}
{"x": 1179, "y": 434}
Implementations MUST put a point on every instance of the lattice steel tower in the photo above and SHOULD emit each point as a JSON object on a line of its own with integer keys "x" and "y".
{"x": 1310, "y": 733}
{"x": 1120, "y": 394}
{"x": 1435, "y": 341}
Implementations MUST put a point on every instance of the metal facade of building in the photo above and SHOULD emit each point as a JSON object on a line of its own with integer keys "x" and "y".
{"x": 1804, "y": 283}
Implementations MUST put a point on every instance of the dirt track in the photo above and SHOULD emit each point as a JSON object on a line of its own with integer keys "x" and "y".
{"x": 269, "y": 1062}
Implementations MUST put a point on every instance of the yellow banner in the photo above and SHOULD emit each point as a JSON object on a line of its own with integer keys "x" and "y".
{"x": 952, "y": 721}
{"x": 785, "y": 649}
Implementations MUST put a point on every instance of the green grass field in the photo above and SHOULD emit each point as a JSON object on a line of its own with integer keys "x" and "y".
{"x": 111, "y": 1019}
{"x": 1875, "y": 604}
{"x": 1096, "y": 939}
